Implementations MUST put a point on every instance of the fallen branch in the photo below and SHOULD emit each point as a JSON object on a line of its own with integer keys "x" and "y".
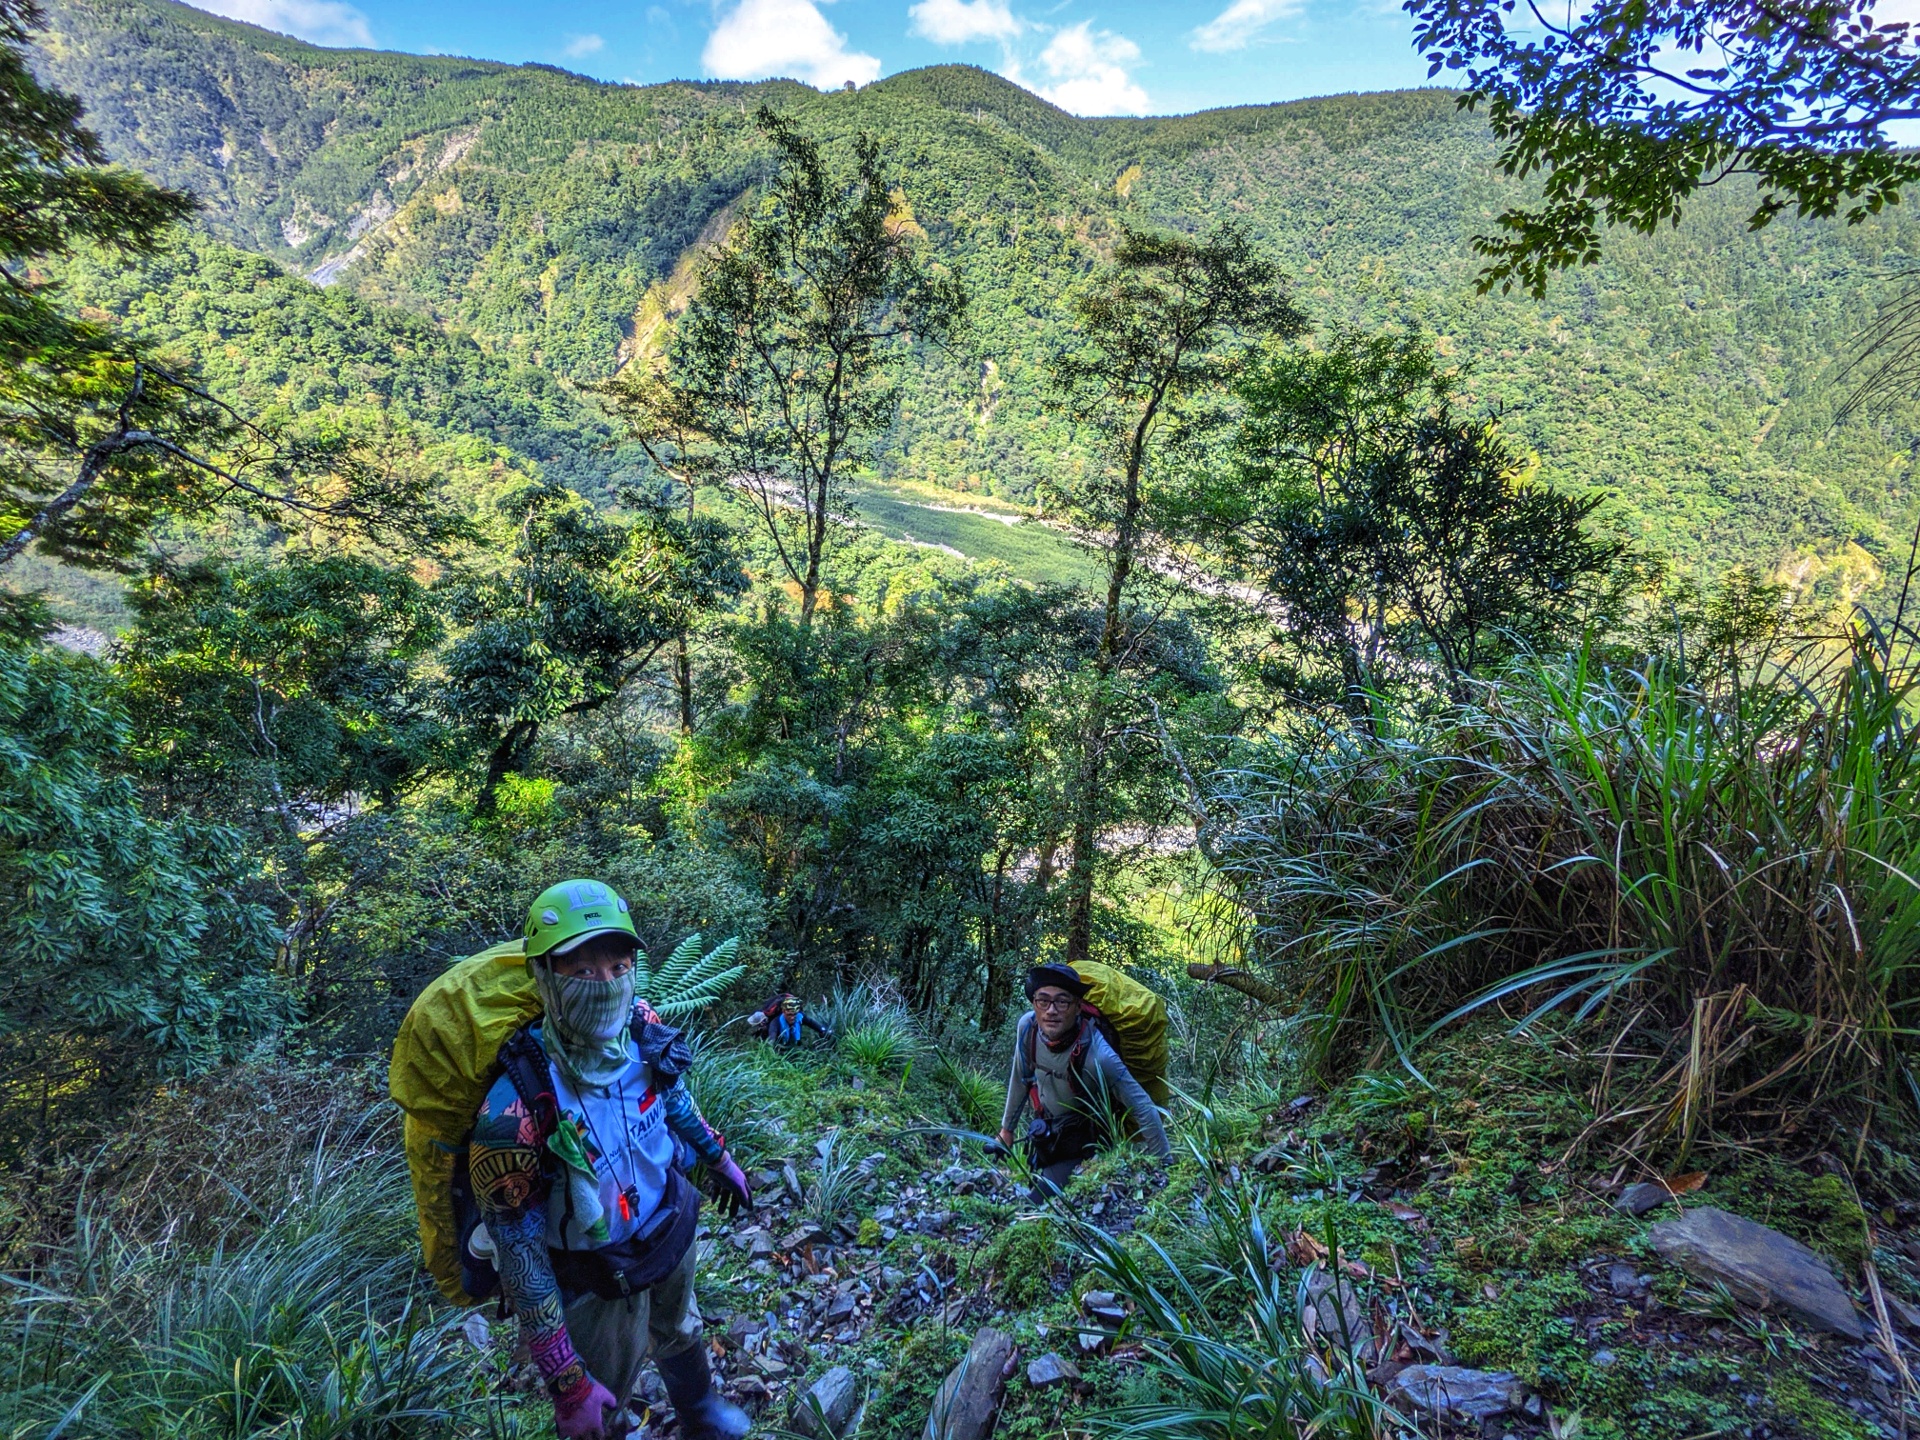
{"x": 1244, "y": 981}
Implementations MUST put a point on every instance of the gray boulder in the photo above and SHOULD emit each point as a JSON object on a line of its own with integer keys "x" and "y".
{"x": 969, "y": 1398}
{"x": 1455, "y": 1392}
{"x": 1762, "y": 1267}
{"x": 828, "y": 1404}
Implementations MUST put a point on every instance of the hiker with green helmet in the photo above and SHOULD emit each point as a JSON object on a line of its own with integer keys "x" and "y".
{"x": 586, "y": 1214}
{"x": 1071, "y": 1076}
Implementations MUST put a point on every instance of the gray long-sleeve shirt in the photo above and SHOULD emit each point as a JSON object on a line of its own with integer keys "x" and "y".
{"x": 1103, "y": 1067}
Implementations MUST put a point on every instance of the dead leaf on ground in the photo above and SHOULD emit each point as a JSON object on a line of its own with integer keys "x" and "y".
{"x": 1303, "y": 1250}
{"x": 1405, "y": 1213}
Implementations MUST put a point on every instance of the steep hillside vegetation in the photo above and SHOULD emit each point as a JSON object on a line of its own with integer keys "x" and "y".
{"x": 1690, "y": 376}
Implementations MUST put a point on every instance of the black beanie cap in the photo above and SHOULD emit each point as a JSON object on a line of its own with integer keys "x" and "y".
{"x": 1061, "y": 976}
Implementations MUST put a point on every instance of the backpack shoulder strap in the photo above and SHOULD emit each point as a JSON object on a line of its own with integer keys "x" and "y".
{"x": 1092, "y": 1023}
{"x": 531, "y": 1075}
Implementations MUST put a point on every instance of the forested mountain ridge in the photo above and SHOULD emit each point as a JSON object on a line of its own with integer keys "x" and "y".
{"x": 1691, "y": 375}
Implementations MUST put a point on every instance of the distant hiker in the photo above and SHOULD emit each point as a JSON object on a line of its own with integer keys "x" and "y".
{"x": 1072, "y": 1075}
{"x": 587, "y": 1216}
{"x": 782, "y": 1021}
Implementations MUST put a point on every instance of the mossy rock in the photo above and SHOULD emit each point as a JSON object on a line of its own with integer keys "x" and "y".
{"x": 1818, "y": 1210}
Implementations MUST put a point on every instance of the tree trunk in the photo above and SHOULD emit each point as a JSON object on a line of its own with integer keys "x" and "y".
{"x": 505, "y": 758}
{"x": 683, "y": 682}
{"x": 1086, "y": 807}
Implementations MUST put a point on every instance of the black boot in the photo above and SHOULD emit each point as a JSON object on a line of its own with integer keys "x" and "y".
{"x": 704, "y": 1414}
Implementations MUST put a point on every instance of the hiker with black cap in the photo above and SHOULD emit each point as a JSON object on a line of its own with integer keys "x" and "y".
{"x": 1071, "y": 1075}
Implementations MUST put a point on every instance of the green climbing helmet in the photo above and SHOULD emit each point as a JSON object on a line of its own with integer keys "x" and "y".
{"x": 574, "y": 911}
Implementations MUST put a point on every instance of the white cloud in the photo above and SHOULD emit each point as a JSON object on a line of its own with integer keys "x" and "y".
{"x": 1091, "y": 72}
{"x": 324, "y": 22}
{"x": 762, "y": 38}
{"x": 580, "y": 46}
{"x": 955, "y": 22}
{"x": 1234, "y": 26}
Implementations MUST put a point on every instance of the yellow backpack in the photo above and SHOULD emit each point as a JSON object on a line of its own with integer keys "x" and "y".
{"x": 444, "y": 1059}
{"x": 1135, "y": 1023}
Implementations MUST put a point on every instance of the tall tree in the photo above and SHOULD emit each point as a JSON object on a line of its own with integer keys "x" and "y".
{"x": 1629, "y": 106}
{"x": 779, "y": 377}
{"x": 1392, "y": 531}
{"x": 1163, "y": 331}
{"x": 584, "y": 606}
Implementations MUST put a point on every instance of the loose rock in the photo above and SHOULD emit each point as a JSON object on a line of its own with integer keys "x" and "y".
{"x": 828, "y": 1404}
{"x": 1331, "y": 1302}
{"x": 1050, "y": 1369}
{"x": 969, "y": 1398}
{"x": 1637, "y": 1200}
{"x": 1762, "y": 1267}
{"x": 1457, "y": 1392}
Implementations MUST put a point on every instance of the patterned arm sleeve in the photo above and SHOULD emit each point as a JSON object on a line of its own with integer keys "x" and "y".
{"x": 510, "y": 1188}
{"x": 686, "y": 1121}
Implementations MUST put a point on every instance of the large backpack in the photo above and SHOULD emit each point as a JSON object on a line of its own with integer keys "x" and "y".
{"x": 1132, "y": 1019}
{"x": 445, "y": 1058}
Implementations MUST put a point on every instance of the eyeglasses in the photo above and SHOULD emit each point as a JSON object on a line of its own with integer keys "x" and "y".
{"x": 1065, "y": 1002}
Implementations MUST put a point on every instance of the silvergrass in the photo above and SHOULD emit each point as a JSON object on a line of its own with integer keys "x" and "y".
{"x": 1729, "y": 876}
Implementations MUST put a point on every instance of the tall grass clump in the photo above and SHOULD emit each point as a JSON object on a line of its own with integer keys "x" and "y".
{"x": 307, "y": 1324}
{"x": 873, "y": 1029}
{"x": 731, "y": 1087}
{"x": 1725, "y": 879}
{"x": 1224, "y": 1339}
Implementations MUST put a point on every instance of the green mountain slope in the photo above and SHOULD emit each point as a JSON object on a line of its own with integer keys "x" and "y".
{"x": 1690, "y": 375}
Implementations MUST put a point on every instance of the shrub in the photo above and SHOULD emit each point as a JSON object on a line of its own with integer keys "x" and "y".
{"x": 277, "y": 1331}
{"x": 1729, "y": 873}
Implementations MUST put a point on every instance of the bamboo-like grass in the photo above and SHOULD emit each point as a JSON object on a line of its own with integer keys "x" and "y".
{"x": 1722, "y": 881}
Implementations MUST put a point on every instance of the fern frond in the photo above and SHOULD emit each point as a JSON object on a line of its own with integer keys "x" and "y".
{"x": 672, "y": 971}
{"x": 688, "y": 980}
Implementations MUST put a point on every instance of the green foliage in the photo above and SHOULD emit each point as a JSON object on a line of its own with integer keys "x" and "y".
{"x": 687, "y": 981}
{"x": 1022, "y": 1259}
{"x": 1524, "y": 1330}
{"x": 1675, "y": 839}
{"x": 977, "y": 1099}
{"x": 1626, "y": 131}
{"x": 127, "y": 924}
{"x": 302, "y": 1325}
{"x": 263, "y": 686}
{"x": 584, "y": 606}
{"x": 733, "y": 1092}
{"x": 1395, "y": 533}
{"x": 1262, "y": 1377}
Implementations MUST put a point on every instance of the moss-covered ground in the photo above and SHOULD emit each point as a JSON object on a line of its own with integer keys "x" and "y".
{"x": 1469, "y": 1206}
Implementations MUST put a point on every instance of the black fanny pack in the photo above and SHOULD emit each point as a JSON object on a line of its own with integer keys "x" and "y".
{"x": 644, "y": 1258}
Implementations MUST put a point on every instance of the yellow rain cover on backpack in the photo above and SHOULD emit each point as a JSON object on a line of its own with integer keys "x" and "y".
{"x": 444, "y": 1059}
{"x": 1139, "y": 1021}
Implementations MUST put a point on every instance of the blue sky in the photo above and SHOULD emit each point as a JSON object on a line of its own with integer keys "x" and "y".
{"x": 1094, "y": 57}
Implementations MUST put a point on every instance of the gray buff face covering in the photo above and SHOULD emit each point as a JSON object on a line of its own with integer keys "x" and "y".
{"x": 586, "y": 1024}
